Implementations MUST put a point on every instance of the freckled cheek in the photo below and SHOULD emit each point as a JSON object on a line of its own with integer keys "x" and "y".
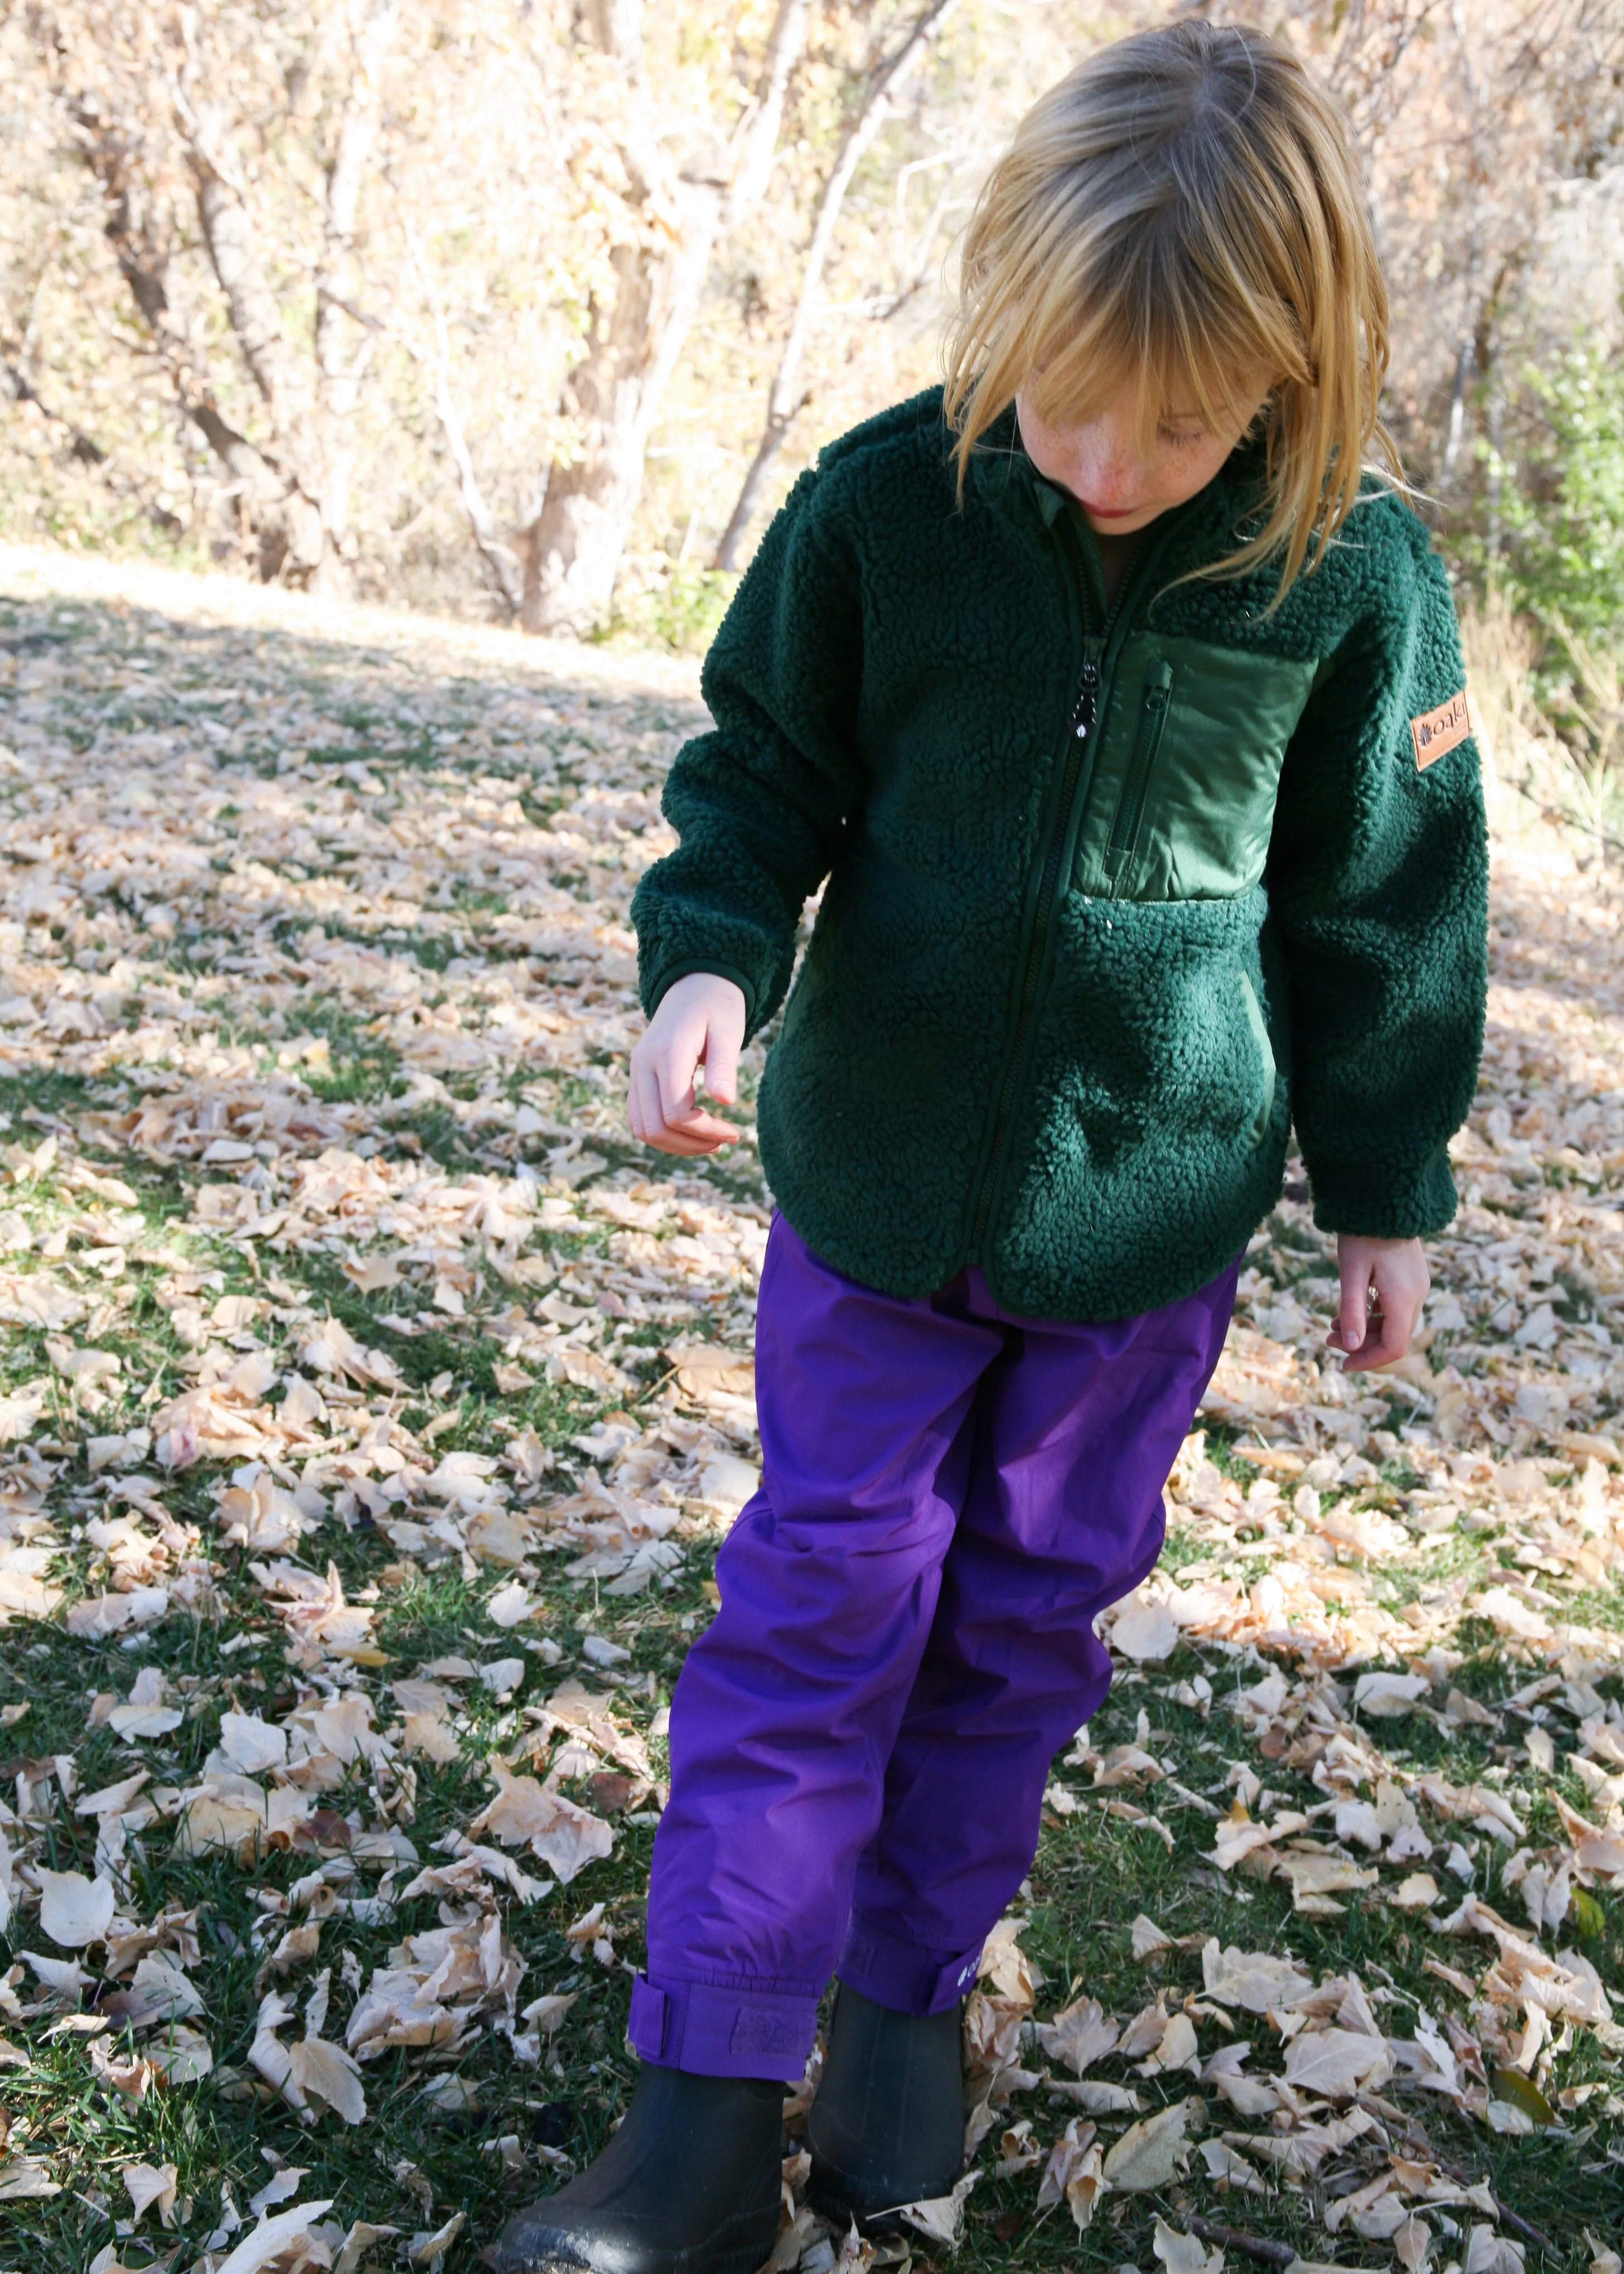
{"x": 1180, "y": 482}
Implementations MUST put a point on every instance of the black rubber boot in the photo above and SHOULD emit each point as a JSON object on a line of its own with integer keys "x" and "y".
{"x": 887, "y": 2127}
{"x": 690, "y": 2184}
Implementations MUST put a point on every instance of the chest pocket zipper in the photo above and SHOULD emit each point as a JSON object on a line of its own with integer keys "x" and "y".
{"x": 1131, "y": 805}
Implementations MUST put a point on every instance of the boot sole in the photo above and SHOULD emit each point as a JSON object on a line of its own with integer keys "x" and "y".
{"x": 874, "y": 2225}
{"x": 748, "y": 2260}
{"x": 719, "y": 2256}
{"x": 825, "y": 2197}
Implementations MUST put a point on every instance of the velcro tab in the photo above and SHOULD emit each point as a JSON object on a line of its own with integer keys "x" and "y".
{"x": 650, "y": 2019}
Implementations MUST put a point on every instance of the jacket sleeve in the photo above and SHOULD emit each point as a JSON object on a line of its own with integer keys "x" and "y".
{"x": 1379, "y": 877}
{"x": 760, "y": 804}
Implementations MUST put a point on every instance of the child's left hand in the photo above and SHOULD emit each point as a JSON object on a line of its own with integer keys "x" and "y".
{"x": 1375, "y": 1333}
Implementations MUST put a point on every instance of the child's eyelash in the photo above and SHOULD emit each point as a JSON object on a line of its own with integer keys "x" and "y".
{"x": 1181, "y": 438}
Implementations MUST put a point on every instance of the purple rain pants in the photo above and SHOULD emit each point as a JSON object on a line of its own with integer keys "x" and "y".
{"x": 861, "y": 1739}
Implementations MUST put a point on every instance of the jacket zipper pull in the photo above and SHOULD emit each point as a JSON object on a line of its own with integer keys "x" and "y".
{"x": 1085, "y": 708}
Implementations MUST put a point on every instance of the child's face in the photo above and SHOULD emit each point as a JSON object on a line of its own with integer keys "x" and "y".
{"x": 1100, "y": 461}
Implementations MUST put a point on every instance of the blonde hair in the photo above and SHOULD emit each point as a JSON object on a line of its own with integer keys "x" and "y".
{"x": 1182, "y": 215}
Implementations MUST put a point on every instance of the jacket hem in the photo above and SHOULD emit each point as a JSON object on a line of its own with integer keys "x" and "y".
{"x": 1192, "y": 1258}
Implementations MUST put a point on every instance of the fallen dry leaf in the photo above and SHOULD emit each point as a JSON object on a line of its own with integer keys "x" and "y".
{"x": 1153, "y": 2153}
{"x": 1079, "y": 2036}
{"x": 257, "y": 2251}
{"x": 1251, "y": 1979}
{"x": 563, "y": 1836}
{"x": 328, "y": 2075}
{"x": 1336, "y": 2064}
{"x": 148, "y": 2186}
{"x": 75, "y": 1911}
{"x": 1184, "y": 2254}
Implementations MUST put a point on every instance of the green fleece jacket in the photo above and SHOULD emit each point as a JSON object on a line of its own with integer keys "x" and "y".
{"x": 1114, "y": 897}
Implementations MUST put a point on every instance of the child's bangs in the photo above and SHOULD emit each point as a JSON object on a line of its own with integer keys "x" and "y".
{"x": 1186, "y": 355}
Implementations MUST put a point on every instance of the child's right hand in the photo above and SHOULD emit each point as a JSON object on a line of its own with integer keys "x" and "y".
{"x": 700, "y": 1021}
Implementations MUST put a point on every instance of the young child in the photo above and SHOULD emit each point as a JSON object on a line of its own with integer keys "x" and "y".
{"x": 1123, "y": 712}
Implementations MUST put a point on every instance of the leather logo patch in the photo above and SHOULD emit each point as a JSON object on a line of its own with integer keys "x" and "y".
{"x": 1436, "y": 732}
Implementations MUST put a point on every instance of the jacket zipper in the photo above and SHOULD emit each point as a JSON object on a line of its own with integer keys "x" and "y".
{"x": 1136, "y": 786}
{"x": 1099, "y": 662}
{"x": 1079, "y": 725}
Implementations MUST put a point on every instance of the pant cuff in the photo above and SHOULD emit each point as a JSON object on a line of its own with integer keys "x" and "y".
{"x": 900, "y": 1975}
{"x": 720, "y": 2032}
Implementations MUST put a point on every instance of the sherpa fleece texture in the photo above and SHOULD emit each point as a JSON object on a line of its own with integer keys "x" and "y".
{"x": 988, "y": 1055}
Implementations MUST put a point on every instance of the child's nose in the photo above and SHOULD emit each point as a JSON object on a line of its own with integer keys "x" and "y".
{"x": 1109, "y": 478}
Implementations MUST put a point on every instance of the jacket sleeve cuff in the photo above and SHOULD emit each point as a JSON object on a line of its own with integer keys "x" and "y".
{"x": 1369, "y": 1200}
{"x": 657, "y": 987}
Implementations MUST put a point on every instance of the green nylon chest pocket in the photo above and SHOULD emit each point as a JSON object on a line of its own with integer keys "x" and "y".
{"x": 1188, "y": 762}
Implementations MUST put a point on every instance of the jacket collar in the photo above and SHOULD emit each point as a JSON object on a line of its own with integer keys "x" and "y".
{"x": 1003, "y": 474}
{"x": 1005, "y": 478}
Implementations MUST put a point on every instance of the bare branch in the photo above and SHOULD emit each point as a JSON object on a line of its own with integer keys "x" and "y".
{"x": 353, "y": 148}
{"x": 277, "y": 510}
{"x": 616, "y": 27}
{"x": 339, "y": 377}
{"x": 500, "y": 559}
{"x": 15, "y": 383}
{"x": 786, "y": 399}
{"x": 763, "y": 121}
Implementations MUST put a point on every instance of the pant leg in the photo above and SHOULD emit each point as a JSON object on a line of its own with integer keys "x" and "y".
{"x": 788, "y": 1707}
{"x": 1079, "y": 1427}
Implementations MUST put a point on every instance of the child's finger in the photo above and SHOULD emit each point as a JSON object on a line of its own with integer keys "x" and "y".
{"x": 1399, "y": 1298}
{"x": 673, "y": 1073}
{"x": 1401, "y": 1311}
{"x": 701, "y": 1133}
{"x": 685, "y": 1114}
{"x": 1377, "y": 1347}
{"x": 705, "y": 1133}
{"x": 721, "y": 1064}
{"x": 634, "y": 1120}
{"x": 688, "y": 1147}
{"x": 642, "y": 1108}
{"x": 657, "y": 1129}
{"x": 698, "y": 1121}
{"x": 685, "y": 1132}
{"x": 702, "y": 1136}
{"x": 1393, "y": 1321}
{"x": 1353, "y": 1312}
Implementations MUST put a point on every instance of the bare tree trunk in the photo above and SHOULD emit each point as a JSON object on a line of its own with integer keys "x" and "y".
{"x": 1455, "y": 432}
{"x": 232, "y": 239}
{"x": 312, "y": 442}
{"x": 1494, "y": 431}
{"x": 572, "y": 550}
{"x": 292, "y": 491}
{"x": 503, "y": 563}
{"x": 785, "y": 401}
{"x": 338, "y": 376}
{"x": 264, "y": 487}
{"x": 229, "y": 235}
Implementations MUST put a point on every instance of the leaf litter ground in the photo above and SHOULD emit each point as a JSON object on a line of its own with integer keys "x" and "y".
{"x": 370, "y": 1408}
